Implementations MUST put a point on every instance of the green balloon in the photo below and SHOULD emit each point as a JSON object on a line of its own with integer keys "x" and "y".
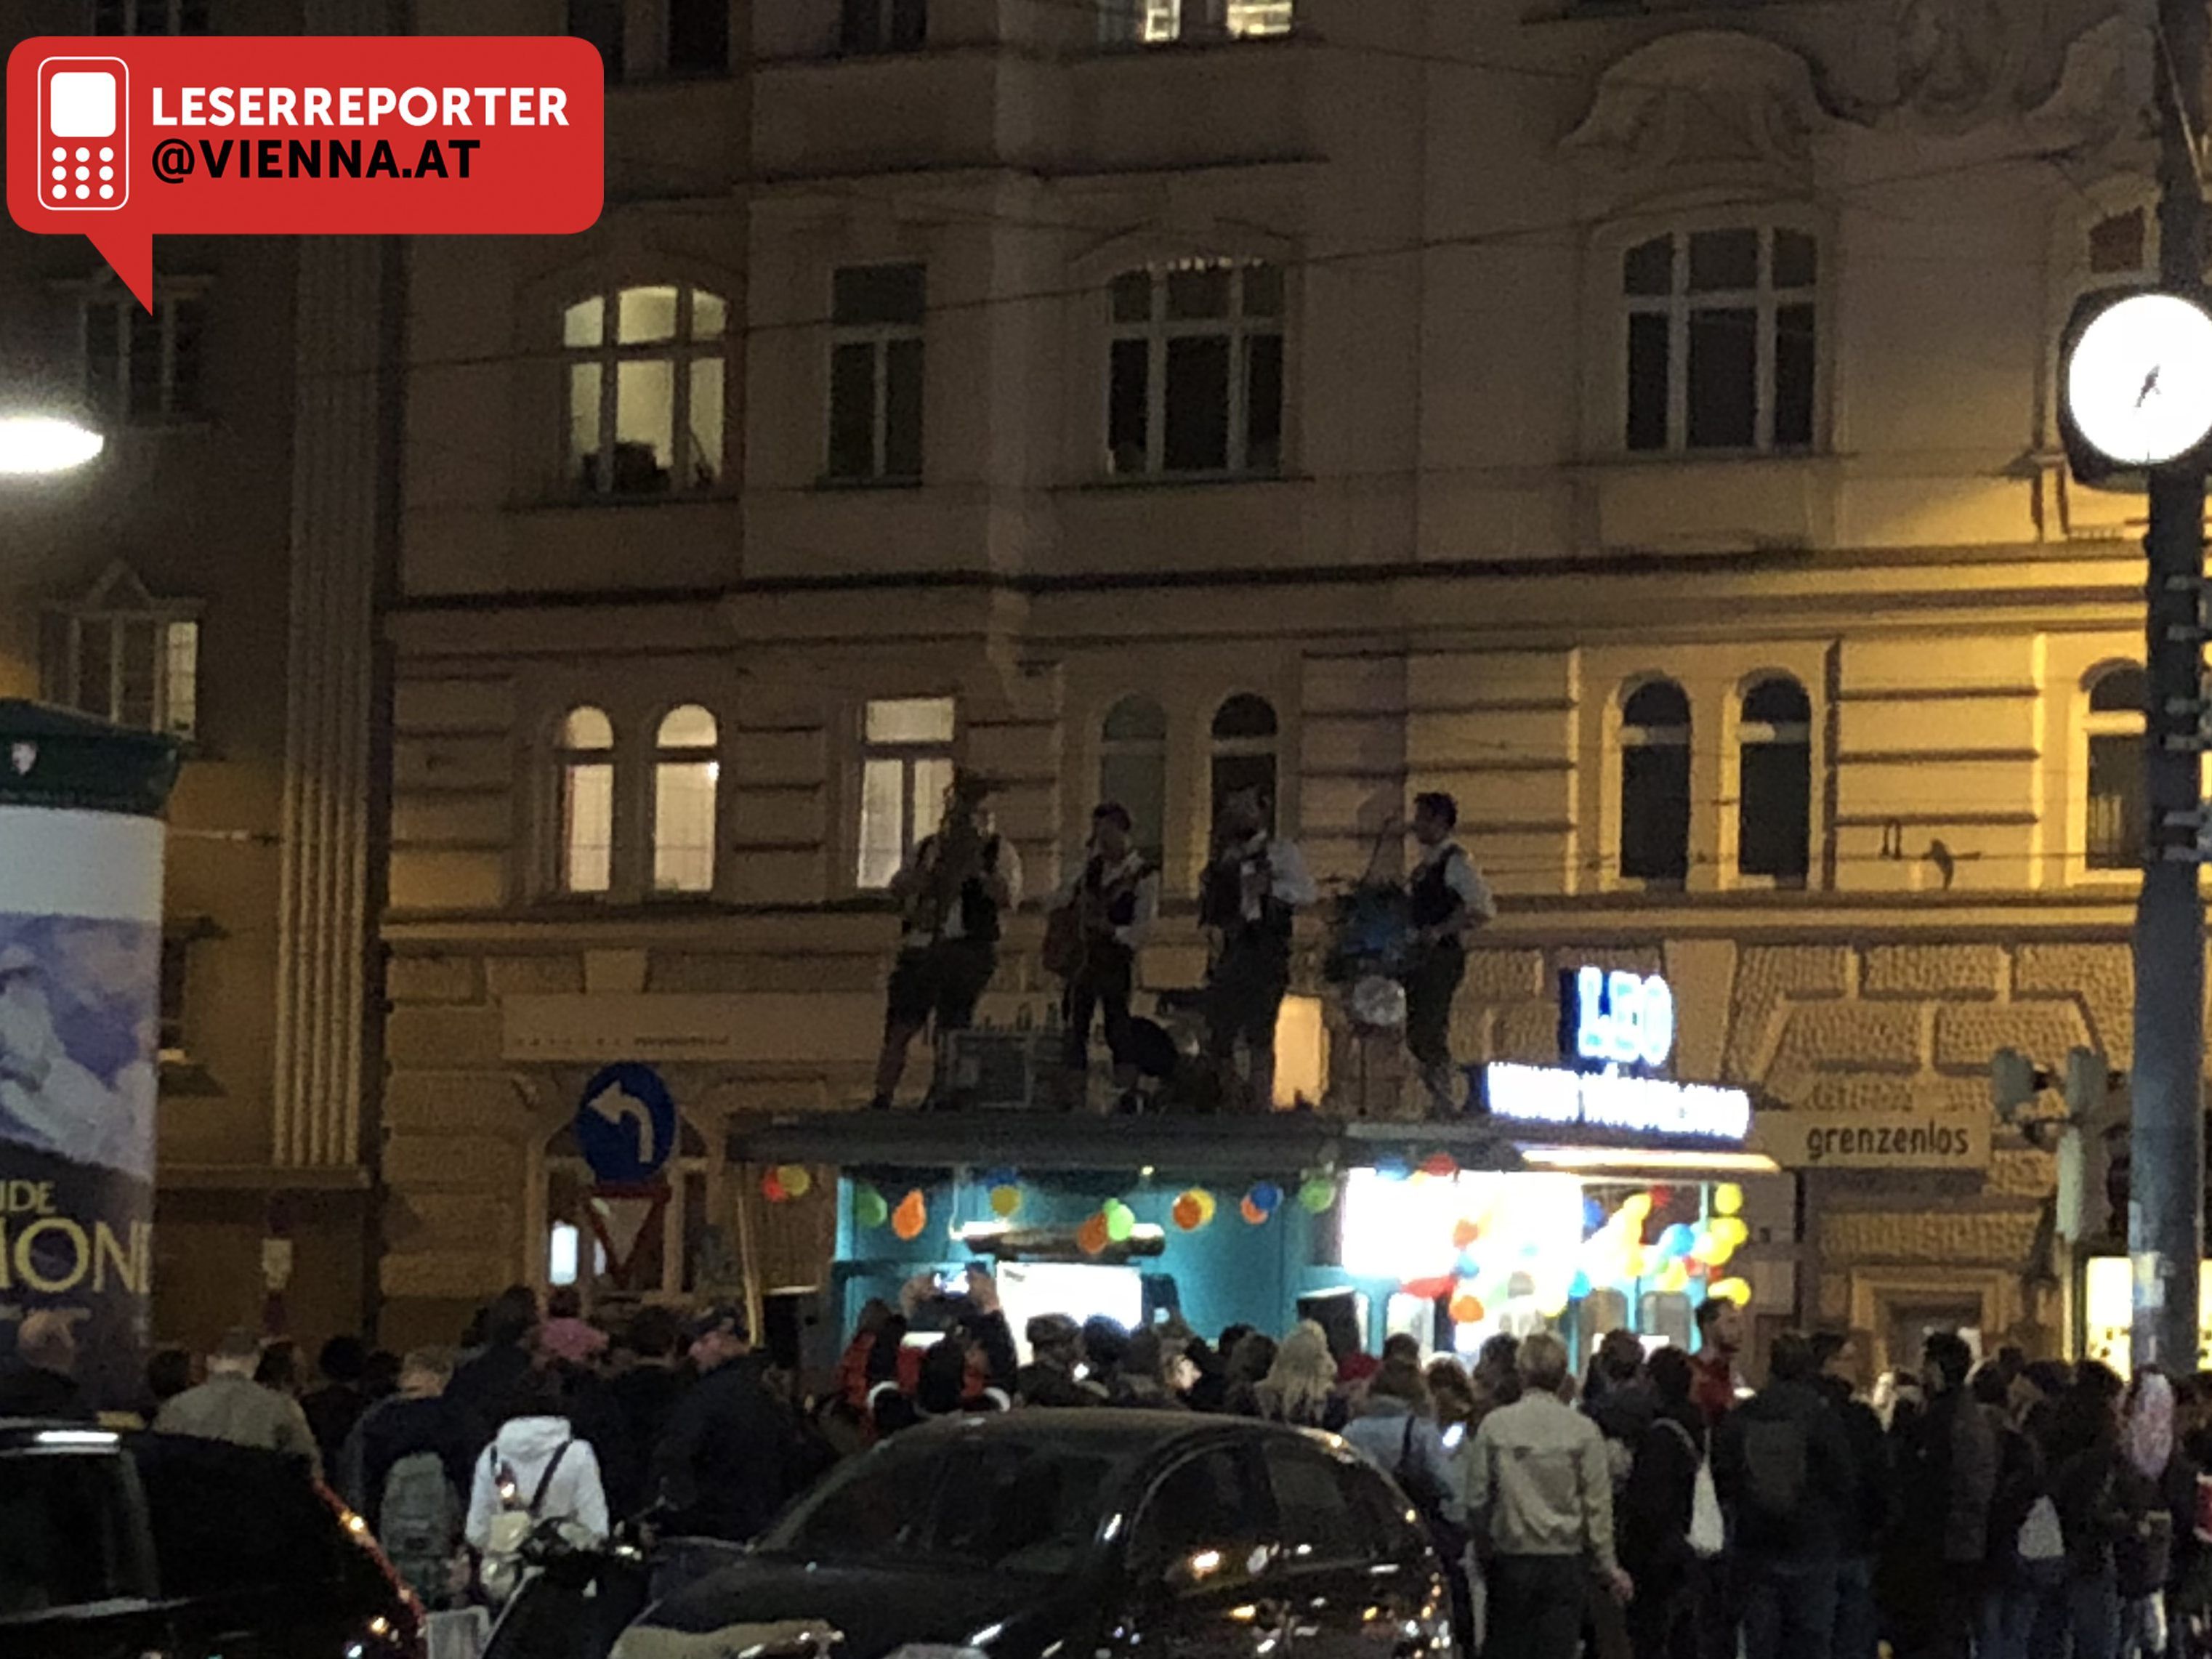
{"x": 1120, "y": 1220}
{"x": 869, "y": 1208}
{"x": 1318, "y": 1194}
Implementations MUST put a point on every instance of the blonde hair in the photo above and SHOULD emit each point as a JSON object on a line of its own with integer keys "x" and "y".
{"x": 1303, "y": 1376}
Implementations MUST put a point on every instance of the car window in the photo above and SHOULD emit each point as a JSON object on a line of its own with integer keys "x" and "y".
{"x": 231, "y": 1518}
{"x": 66, "y": 1533}
{"x": 1012, "y": 1506}
{"x": 1315, "y": 1519}
{"x": 1209, "y": 1502}
{"x": 1378, "y": 1514}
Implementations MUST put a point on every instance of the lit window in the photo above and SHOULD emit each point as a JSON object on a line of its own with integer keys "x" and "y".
{"x": 1721, "y": 342}
{"x": 646, "y": 368}
{"x": 868, "y": 26}
{"x": 1244, "y": 737}
{"x": 149, "y": 16}
{"x": 1155, "y": 22}
{"x": 587, "y": 801}
{"x": 126, "y": 657}
{"x": 1194, "y": 370}
{"x": 906, "y": 766}
{"x": 1132, "y": 768}
{"x": 876, "y": 372}
{"x": 2114, "y": 836}
{"x": 1774, "y": 808}
{"x": 1655, "y": 784}
{"x": 141, "y": 365}
{"x": 685, "y": 771}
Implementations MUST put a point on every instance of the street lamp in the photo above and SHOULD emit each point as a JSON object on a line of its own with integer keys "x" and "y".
{"x": 34, "y": 445}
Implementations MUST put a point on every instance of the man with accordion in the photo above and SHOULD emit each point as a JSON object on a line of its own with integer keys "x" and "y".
{"x": 1091, "y": 937}
{"x": 1448, "y": 899}
{"x": 1248, "y": 899}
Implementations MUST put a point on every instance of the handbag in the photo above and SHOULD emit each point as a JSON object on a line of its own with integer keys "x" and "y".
{"x": 1429, "y": 1498}
{"x": 1708, "y": 1527}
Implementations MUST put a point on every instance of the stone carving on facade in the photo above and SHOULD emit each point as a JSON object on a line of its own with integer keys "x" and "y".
{"x": 2105, "y": 90}
{"x": 1955, "y": 60}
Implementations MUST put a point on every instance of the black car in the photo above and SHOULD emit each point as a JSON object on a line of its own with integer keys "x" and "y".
{"x": 1080, "y": 1533}
{"x": 158, "y": 1547}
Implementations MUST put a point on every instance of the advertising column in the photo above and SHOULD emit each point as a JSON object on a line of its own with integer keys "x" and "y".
{"x": 80, "y": 843}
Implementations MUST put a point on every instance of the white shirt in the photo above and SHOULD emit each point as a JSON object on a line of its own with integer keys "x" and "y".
{"x": 1462, "y": 877}
{"x": 1289, "y": 881}
{"x": 1147, "y": 890}
{"x": 955, "y": 924}
{"x": 526, "y": 1445}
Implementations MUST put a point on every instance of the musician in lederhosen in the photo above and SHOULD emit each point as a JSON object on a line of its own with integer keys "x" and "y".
{"x": 1247, "y": 902}
{"x": 1099, "y": 922}
{"x": 1450, "y": 900}
{"x": 952, "y": 891}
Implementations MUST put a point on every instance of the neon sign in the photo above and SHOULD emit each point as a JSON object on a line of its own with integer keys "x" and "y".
{"x": 1610, "y": 1100}
{"x": 1615, "y": 1019}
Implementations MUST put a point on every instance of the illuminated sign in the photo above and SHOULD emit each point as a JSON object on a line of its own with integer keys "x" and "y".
{"x": 1614, "y": 1018}
{"x": 1613, "y": 1100}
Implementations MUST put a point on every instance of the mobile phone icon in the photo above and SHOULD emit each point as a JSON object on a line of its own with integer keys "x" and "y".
{"x": 84, "y": 116}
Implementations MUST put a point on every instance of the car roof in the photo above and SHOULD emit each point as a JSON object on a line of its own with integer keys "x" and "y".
{"x": 23, "y": 1433}
{"x": 1111, "y": 1431}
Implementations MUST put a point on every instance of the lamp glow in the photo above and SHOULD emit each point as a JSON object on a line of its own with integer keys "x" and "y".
{"x": 34, "y": 445}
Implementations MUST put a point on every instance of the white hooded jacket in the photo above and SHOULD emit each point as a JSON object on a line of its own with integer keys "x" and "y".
{"x": 525, "y": 1445}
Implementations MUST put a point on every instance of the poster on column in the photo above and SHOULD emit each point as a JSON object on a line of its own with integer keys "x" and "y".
{"x": 80, "y": 988}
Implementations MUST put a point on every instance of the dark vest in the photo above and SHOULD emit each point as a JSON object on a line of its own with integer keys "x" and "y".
{"x": 1123, "y": 912}
{"x": 1434, "y": 903}
{"x": 1221, "y": 904}
{"x": 979, "y": 912}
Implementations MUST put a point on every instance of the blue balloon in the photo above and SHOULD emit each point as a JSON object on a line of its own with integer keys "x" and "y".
{"x": 1468, "y": 1267}
{"x": 1593, "y": 1215}
{"x": 1677, "y": 1241}
{"x": 1578, "y": 1287}
{"x": 1267, "y": 1196}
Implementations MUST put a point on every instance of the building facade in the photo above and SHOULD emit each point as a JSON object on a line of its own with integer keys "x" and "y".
{"x": 1638, "y": 423}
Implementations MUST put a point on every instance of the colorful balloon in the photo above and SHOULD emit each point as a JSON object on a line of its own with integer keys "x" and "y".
{"x": 1729, "y": 1290}
{"x": 1120, "y": 1220}
{"x": 911, "y": 1216}
{"x": 1186, "y": 1214}
{"x": 772, "y": 1187}
{"x": 1005, "y": 1201}
{"x": 1091, "y": 1237}
{"x": 1317, "y": 1194}
{"x": 869, "y": 1208}
{"x": 1551, "y": 1302}
{"x": 1636, "y": 1208}
{"x": 1428, "y": 1289}
{"x": 798, "y": 1179}
{"x": 1442, "y": 1165}
{"x": 1467, "y": 1310}
{"x": 1267, "y": 1196}
{"x": 1677, "y": 1241}
{"x": 1728, "y": 1199}
{"x": 1252, "y": 1213}
{"x": 1730, "y": 1231}
{"x": 1207, "y": 1204}
{"x": 1674, "y": 1278}
{"x": 1578, "y": 1287}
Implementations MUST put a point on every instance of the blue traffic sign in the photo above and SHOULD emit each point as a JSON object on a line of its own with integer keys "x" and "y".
{"x": 626, "y": 1123}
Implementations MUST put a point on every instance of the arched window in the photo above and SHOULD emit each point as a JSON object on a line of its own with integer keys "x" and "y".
{"x": 2114, "y": 834}
{"x": 1132, "y": 767}
{"x": 685, "y": 769}
{"x": 1774, "y": 806}
{"x": 645, "y": 374}
{"x": 1244, "y": 752}
{"x": 1655, "y": 784}
{"x": 587, "y": 801}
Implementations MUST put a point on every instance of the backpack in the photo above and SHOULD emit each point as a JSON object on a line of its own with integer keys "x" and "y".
{"x": 1708, "y": 1534}
{"x": 1776, "y": 1454}
{"x": 1429, "y": 1498}
{"x": 500, "y": 1569}
{"x": 419, "y": 1524}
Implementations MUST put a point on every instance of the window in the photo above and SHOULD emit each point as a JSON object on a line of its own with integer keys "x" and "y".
{"x": 126, "y": 657}
{"x": 1315, "y": 1521}
{"x": 1132, "y": 768}
{"x": 2114, "y": 826}
{"x": 1721, "y": 341}
{"x": 1774, "y": 822}
{"x": 906, "y": 766}
{"x": 1194, "y": 370}
{"x": 1655, "y": 784}
{"x": 646, "y": 373}
{"x": 875, "y": 372}
{"x": 151, "y": 16}
{"x": 867, "y": 26}
{"x": 699, "y": 37}
{"x": 1212, "y": 1502}
{"x": 67, "y": 1521}
{"x": 602, "y": 22}
{"x": 685, "y": 771}
{"x": 145, "y": 365}
{"x": 1245, "y": 753}
{"x": 1151, "y": 22}
{"x": 2120, "y": 245}
{"x": 587, "y": 802}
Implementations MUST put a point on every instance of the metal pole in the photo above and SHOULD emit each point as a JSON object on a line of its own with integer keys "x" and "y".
{"x": 2165, "y": 1210}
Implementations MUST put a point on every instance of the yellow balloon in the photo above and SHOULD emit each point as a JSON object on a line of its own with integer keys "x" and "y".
{"x": 796, "y": 1179}
{"x": 1718, "y": 1255}
{"x": 1728, "y": 1199}
{"x": 1730, "y": 1290}
{"x": 1005, "y": 1201}
{"x": 1552, "y": 1304}
{"x": 1637, "y": 1207}
{"x": 1674, "y": 1279}
{"x": 1730, "y": 1231}
{"x": 1633, "y": 1262}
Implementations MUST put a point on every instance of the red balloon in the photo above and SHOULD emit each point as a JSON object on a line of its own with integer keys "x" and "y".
{"x": 772, "y": 1189}
{"x": 1442, "y": 1165}
{"x": 1187, "y": 1213}
{"x": 1430, "y": 1289}
{"x": 1252, "y": 1213}
{"x": 1661, "y": 1197}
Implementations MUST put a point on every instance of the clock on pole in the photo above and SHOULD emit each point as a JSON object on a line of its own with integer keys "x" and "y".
{"x": 2136, "y": 384}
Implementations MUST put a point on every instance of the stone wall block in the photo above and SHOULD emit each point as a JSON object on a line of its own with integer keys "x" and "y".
{"x": 1931, "y": 970}
{"x": 1500, "y": 975}
{"x": 1967, "y": 1037}
{"x": 535, "y": 976}
{"x": 433, "y": 979}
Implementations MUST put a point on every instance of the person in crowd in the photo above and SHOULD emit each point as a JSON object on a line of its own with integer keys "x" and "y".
{"x": 1395, "y": 1426}
{"x": 1250, "y": 1358}
{"x": 2142, "y": 1557}
{"x": 724, "y": 1463}
{"x": 1449, "y": 900}
{"x": 279, "y": 1366}
{"x": 952, "y": 893}
{"x": 1720, "y": 1346}
{"x": 1495, "y": 1379}
{"x": 1539, "y": 1496}
{"x": 1453, "y": 1395}
{"x": 505, "y": 1351}
{"x": 1230, "y": 1336}
{"x": 231, "y": 1406}
{"x": 1947, "y": 1471}
{"x": 406, "y": 1469}
{"x": 1617, "y": 1401}
{"x": 1146, "y": 1380}
{"x": 1300, "y": 1387}
{"x": 1099, "y": 920}
{"x": 1208, "y": 1389}
{"x": 40, "y": 1379}
{"x": 567, "y": 1335}
{"x": 2025, "y": 1570}
{"x": 1050, "y": 1379}
{"x": 857, "y": 1362}
{"x": 646, "y": 1397}
{"x": 335, "y": 1405}
{"x": 168, "y": 1374}
{"x": 1782, "y": 1466}
{"x": 1253, "y": 887}
{"x": 2099, "y": 1499}
{"x": 1866, "y": 1520}
{"x": 1654, "y": 1514}
{"x": 1104, "y": 1343}
{"x": 536, "y": 1461}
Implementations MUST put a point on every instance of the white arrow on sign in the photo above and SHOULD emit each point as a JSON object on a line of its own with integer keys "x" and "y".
{"x": 618, "y": 1106}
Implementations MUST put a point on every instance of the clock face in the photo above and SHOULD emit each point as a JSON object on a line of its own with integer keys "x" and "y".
{"x": 2139, "y": 384}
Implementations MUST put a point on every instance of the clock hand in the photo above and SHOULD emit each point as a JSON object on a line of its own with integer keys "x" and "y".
{"x": 2150, "y": 386}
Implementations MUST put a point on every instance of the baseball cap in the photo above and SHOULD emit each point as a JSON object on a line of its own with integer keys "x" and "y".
{"x": 718, "y": 1317}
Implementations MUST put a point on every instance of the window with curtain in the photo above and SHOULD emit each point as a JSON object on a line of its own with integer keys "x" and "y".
{"x": 1244, "y": 745}
{"x": 686, "y": 770}
{"x": 1721, "y": 339}
{"x": 1774, "y": 805}
{"x": 1157, "y": 22}
{"x": 1655, "y": 784}
{"x": 2114, "y": 823}
{"x": 647, "y": 371}
{"x": 906, "y": 766}
{"x": 586, "y": 763}
{"x": 1132, "y": 768}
